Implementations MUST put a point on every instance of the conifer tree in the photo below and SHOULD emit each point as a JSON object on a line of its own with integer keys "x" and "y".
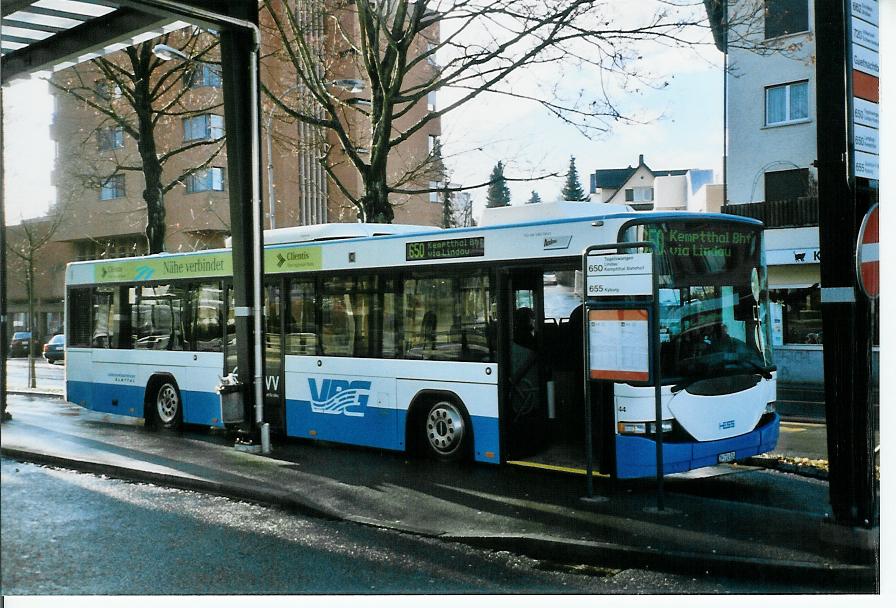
{"x": 498, "y": 193}
{"x": 535, "y": 198}
{"x": 572, "y": 190}
{"x": 448, "y": 218}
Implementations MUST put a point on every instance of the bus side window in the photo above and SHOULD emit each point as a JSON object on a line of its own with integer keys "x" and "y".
{"x": 338, "y": 326}
{"x": 447, "y": 317}
{"x": 158, "y": 322}
{"x": 207, "y": 319}
{"x": 230, "y": 344}
{"x": 80, "y": 326}
{"x": 102, "y": 317}
{"x": 301, "y": 326}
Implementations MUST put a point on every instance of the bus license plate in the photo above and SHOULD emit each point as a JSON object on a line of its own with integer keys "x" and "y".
{"x": 726, "y": 457}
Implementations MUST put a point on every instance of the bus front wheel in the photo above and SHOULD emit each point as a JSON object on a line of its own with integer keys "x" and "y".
{"x": 168, "y": 405}
{"x": 445, "y": 431}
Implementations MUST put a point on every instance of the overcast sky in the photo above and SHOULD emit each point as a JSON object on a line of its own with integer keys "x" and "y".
{"x": 28, "y": 151}
{"x": 684, "y": 131}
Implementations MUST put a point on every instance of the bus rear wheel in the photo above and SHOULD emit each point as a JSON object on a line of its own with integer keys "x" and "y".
{"x": 445, "y": 431}
{"x": 168, "y": 405}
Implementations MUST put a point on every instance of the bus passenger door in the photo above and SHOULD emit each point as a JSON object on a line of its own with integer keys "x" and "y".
{"x": 525, "y": 410}
{"x": 273, "y": 353}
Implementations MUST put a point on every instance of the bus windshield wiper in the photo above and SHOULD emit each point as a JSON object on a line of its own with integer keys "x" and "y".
{"x": 762, "y": 370}
{"x": 765, "y": 372}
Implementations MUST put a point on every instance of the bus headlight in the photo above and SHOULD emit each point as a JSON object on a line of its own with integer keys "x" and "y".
{"x": 770, "y": 407}
{"x": 642, "y": 428}
{"x": 632, "y": 428}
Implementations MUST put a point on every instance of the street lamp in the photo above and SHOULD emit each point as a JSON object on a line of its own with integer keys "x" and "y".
{"x": 352, "y": 85}
{"x": 167, "y": 53}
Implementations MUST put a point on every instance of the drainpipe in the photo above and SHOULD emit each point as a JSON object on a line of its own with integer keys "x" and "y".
{"x": 255, "y": 151}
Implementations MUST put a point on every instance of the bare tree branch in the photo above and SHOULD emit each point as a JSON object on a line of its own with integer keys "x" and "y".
{"x": 405, "y": 50}
{"x": 140, "y": 93}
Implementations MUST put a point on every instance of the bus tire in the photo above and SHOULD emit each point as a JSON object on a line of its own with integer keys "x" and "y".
{"x": 167, "y": 404}
{"x": 444, "y": 430}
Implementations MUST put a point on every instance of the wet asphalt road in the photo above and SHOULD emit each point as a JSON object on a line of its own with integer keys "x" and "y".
{"x": 74, "y": 533}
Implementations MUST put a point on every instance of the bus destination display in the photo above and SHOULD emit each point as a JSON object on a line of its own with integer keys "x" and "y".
{"x": 445, "y": 249}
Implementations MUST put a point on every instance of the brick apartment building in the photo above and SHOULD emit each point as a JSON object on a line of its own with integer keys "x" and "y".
{"x": 102, "y": 202}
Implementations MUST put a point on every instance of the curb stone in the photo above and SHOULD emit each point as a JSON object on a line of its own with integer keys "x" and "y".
{"x": 36, "y": 392}
{"x": 778, "y": 464}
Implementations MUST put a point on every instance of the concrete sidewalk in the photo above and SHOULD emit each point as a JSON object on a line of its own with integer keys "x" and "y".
{"x": 732, "y": 521}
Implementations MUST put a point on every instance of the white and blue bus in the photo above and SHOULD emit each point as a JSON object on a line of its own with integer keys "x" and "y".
{"x": 461, "y": 343}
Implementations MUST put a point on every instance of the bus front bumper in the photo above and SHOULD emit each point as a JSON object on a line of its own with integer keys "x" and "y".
{"x": 636, "y": 456}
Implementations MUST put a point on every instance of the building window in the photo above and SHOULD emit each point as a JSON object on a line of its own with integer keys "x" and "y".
{"x": 112, "y": 188}
{"x": 433, "y": 144}
{"x": 431, "y": 53}
{"x": 431, "y": 101}
{"x": 110, "y": 138}
{"x": 203, "y": 126}
{"x": 783, "y": 17}
{"x": 124, "y": 247}
{"x": 786, "y": 185}
{"x": 639, "y": 195}
{"x": 105, "y": 90}
{"x": 435, "y": 192}
{"x": 211, "y": 179}
{"x": 787, "y": 103}
{"x": 796, "y": 316}
{"x": 203, "y": 75}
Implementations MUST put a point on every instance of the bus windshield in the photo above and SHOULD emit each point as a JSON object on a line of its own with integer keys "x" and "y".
{"x": 713, "y": 298}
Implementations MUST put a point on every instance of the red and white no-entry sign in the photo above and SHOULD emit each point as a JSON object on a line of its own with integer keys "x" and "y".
{"x": 868, "y": 253}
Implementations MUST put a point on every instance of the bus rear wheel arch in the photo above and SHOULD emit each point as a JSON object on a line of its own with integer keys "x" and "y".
{"x": 163, "y": 403}
{"x": 440, "y": 428}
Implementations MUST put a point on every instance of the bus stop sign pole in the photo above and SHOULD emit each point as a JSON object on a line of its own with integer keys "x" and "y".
{"x": 611, "y": 281}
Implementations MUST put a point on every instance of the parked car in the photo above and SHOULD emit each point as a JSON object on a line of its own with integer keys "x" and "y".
{"x": 54, "y": 350}
{"x": 18, "y": 346}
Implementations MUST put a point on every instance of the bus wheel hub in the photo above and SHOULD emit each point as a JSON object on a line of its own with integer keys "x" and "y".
{"x": 444, "y": 427}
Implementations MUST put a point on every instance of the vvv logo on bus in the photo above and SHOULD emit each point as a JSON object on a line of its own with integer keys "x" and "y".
{"x": 334, "y": 396}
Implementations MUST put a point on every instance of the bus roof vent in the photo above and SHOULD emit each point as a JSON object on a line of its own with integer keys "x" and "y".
{"x": 556, "y": 210}
{"x": 332, "y": 232}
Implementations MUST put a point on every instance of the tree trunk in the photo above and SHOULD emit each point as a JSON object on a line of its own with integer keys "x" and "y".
{"x": 155, "y": 219}
{"x": 152, "y": 169}
{"x": 29, "y": 287}
{"x": 375, "y": 202}
{"x": 152, "y": 194}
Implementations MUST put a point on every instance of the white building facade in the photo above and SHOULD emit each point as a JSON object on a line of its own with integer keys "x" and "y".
{"x": 771, "y": 147}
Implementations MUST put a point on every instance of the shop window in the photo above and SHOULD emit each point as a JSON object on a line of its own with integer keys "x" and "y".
{"x": 800, "y": 311}
{"x": 796, "y": 317}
